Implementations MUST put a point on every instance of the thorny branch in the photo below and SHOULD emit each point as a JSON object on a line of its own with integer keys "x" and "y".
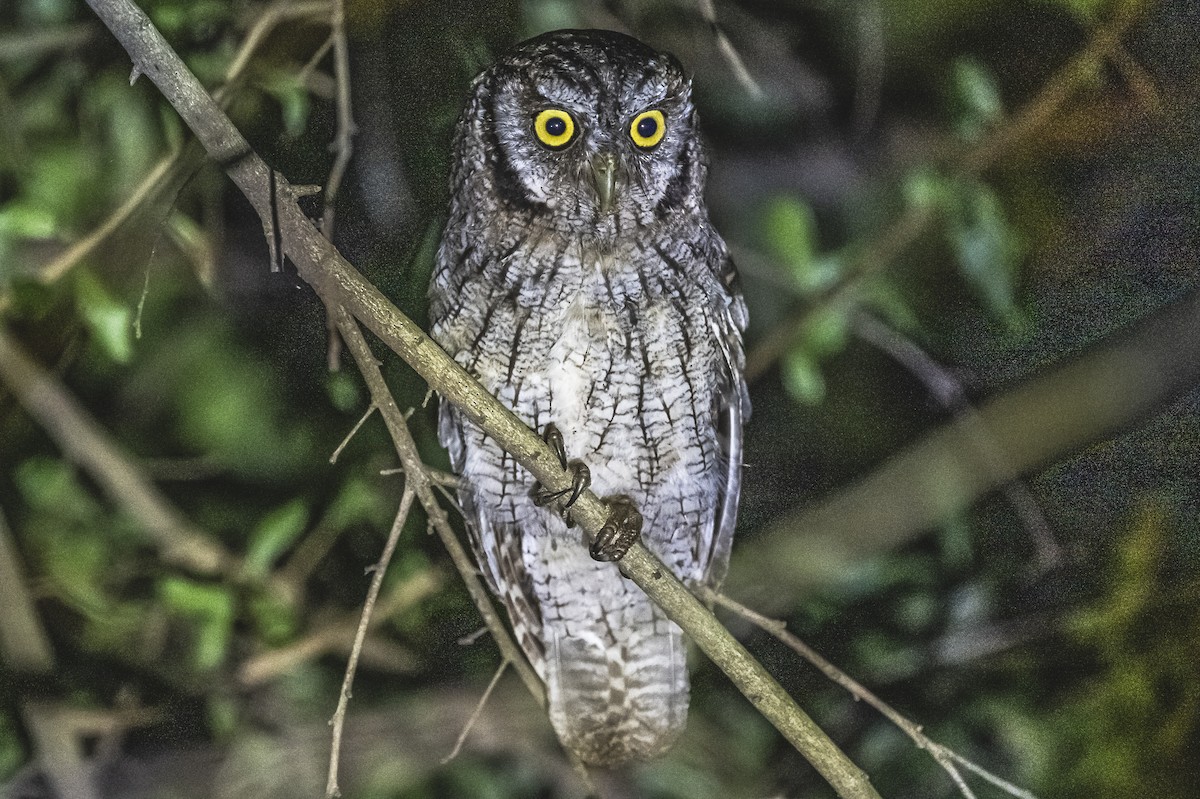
{"x": 336, "y": 281}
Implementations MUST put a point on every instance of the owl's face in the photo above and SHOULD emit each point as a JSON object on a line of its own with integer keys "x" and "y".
{"x": 586, "y": 130}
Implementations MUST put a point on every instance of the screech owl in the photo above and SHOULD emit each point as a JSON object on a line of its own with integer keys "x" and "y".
{"x": 580, "y": 280}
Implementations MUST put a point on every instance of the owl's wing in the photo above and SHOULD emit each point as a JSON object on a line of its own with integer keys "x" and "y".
{"x": 731, "y": 409}
{"x": 498, "y": 550}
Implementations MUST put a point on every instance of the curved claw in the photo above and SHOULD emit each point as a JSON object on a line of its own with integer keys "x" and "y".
{"x": 554, "y": 440}
{"x": 581, "y": 478}
{"x": 622, "y": 529}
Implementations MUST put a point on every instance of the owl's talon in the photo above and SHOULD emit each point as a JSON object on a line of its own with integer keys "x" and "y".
{"x": 554, "y": 440}
{"x": 621, "y": 531}
{"x": 581, "y": 478}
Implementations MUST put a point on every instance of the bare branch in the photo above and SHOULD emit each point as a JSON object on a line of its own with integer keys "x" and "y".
{"x": 945, "y": 757}
{"x": 24, "y": 645}
{"x": 353, "y": 432}
{"x": 336, "y": 636}
{"x": 1085, "y": 400}
{"x": 949, "y": 392}
{"x": 168, "y": 176}
{"x": 343, "y": 143}
{"x": 709, "y": 11}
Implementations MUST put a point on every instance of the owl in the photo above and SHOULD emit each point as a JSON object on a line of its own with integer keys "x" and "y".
{"x": 580, "y": 280}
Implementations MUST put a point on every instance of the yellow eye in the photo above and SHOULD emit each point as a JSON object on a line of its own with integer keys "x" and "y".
{"x": 554, "y": 128}
{"x": 648, "y": 128}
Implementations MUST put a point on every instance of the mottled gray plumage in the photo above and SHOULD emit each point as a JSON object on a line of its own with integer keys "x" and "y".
{"x": 616, "y": 316}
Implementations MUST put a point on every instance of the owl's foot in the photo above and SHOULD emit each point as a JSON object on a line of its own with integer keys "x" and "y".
{"x": 581, "y": 477}
{"x": 621, "y": 531}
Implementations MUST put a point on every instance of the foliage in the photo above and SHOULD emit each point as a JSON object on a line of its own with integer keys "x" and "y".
{"x": 1073, "y": 677}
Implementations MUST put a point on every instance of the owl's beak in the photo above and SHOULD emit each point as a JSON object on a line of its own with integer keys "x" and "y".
{"x": 604, "y": 173}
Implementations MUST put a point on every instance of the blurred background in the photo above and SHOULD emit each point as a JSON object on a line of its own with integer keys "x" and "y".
{"x": 968, "y": 233}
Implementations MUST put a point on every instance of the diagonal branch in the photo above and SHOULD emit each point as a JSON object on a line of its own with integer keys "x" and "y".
{"x": 417, "y": 477}
{"x": 1092, "y": 396}
{"x": 336, "y": 281}
{"x": 945, "y": 757}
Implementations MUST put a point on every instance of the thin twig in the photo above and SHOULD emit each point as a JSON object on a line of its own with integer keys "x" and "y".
{"x": 343, "y": 148}
{"x": 868, "y": 87}
{"x": 738, "y": 66}
{"x": 333, "y": 636}
{"x": 940, "y": 753}
{"x": 487, "y": 692}
{"x": 83, "y": 247}
{"x": 417, "y": 477}
{"x": 275, "y": 13}
{"x": 353, "y": 432}
{"x": 343, "y": 142}
{"x": 339, "y": 716}
{"x": 175, "y": 169}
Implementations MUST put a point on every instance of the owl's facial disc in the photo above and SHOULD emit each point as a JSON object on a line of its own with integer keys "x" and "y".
{"x": 588, "y": 132}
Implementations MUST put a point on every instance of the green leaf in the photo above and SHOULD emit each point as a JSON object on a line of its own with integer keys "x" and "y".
{"x": 343, "y": 391}
{"x": 12, "y": 750}
{"x": 827, "y": 331}
{"x": 274, "y": 534}
{"x": 210, "y": 609}
{"x": 977, "y": 98}
{"x": 274, "y": 620}
{"x": 51, "y": 486}
{"x": 928, "y": 189}
{"x": 110, "y": 321}
{"x": 988, "y": 251}
{"x": 293, "y": 98}
{"x": 360, "y": 501}
{"x": 26, "y": 221}
{"x": 790, "y": 238}
{"x": 802, "y": 377}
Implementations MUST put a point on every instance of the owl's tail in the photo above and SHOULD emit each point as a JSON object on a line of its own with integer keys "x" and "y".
{"x": 615, "y": 667}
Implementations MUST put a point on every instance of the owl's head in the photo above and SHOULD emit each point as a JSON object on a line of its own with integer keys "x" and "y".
{"x": 585, "y": 130}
